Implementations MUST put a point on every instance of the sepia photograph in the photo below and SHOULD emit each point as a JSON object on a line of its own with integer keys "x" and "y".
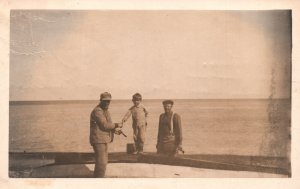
{"x": 150, "y": 93}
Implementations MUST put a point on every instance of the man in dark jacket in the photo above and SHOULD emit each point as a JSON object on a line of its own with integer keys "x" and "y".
{"x": 101, "y": 133}
{"x": 169, "y": 138}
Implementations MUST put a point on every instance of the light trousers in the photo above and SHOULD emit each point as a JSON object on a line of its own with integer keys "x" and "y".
{"x": 101, "y": 159}
{"x": 139, "y": 136}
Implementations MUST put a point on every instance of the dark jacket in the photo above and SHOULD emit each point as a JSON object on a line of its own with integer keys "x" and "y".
{"x": 164, "y": 129}
{"x": 101, "y": 126}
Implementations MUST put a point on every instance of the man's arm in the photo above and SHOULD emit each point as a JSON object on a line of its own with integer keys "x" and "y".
{"x": 178, "y": 130}
{"x": 159, "y": 130}
{"x": 102, "y": 122}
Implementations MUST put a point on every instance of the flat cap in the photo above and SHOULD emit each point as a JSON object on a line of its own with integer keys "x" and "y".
{"x": 105, "y": 96}
{"x": 168, "y": 102}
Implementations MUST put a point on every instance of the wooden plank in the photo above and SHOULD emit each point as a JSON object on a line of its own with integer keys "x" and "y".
{"x": 277, "y": 165}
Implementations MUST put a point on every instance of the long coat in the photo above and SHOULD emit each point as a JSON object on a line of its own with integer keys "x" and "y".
{"x": 101, "y": 126}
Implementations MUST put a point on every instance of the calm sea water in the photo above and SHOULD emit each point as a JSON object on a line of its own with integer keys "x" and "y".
{"x": 240, "y": 127}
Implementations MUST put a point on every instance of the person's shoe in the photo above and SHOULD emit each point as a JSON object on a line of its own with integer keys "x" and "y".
{"x": 136, "y": 152}
{"x": 140, "y": 152}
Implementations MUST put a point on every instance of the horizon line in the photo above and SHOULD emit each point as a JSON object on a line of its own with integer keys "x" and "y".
{"x": 152, "y": 99}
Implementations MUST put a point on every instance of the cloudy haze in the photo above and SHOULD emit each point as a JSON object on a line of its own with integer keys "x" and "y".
{"x": 162, "y": 54}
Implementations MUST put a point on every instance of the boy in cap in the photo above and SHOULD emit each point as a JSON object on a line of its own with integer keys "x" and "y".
{"x": 139, "y": 114}
{"x": 102, "y": 131}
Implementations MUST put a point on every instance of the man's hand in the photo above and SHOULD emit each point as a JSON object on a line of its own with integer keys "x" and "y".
{"x": 118, "y": 125}
{"x": 179, "y": 149}
{"x": 118, "y": 131}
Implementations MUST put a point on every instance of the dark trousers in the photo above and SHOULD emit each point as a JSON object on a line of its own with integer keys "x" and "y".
{"x": 167, "y": 148}
{"x": 101, "y": 159}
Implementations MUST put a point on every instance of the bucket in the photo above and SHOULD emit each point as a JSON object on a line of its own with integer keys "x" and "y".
{"x": 130, "y": 148}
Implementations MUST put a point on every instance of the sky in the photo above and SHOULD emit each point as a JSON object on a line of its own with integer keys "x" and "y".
{"x": 76, "y": 55}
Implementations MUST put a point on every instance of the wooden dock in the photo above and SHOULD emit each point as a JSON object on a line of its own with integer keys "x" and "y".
{"x": 19, "y": 161}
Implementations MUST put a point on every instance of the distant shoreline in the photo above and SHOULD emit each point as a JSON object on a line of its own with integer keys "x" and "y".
{"x": 45, "y": 102}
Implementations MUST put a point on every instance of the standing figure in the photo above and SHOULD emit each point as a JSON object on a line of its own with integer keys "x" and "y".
{"x": 102, "y": 131}
{"x": 139, "y": 114}
{"x": 169, "y": 138}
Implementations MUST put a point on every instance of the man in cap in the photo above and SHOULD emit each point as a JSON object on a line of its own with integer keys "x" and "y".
{"x": 102, "y": 131}
{"x": 169, "y": 137}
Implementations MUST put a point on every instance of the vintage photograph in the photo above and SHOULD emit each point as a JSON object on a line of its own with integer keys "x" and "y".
{"x": 150, "y": 93}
